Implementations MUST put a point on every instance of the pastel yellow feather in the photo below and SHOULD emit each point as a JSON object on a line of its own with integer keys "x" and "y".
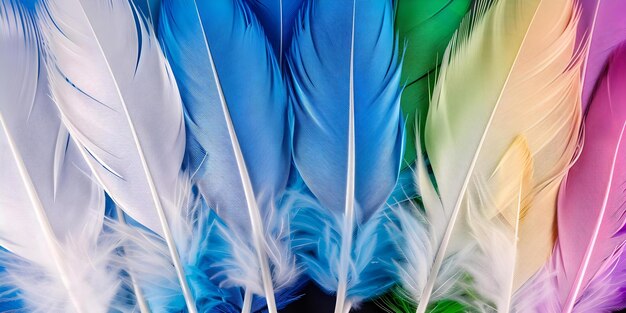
{"x": 516, "y": 73}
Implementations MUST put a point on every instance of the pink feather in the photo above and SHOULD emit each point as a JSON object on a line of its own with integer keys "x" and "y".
{"x": 592, "y": 203}
{"x": 606, "y": 30}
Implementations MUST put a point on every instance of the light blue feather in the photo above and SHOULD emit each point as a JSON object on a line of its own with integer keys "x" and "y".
{"x": 277, "y": 26}
{"x": 320, "y": 64}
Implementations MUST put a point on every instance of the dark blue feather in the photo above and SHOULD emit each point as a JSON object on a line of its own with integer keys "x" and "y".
{"x": 279, "y": 28}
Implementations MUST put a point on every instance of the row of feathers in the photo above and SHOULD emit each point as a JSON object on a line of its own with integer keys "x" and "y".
{"x": 216, "y": 155}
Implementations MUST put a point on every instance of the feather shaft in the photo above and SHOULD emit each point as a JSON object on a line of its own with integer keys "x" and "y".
{"x": 346, "y": 239}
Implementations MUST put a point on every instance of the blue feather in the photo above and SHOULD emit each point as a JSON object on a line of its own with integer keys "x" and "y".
{"x": 320, "y": 65}
{"x": 278, "y": 27}
{"x": 327, "y": 39}
{"x": 254, "y": 92}
{"x": 227, "y": 74}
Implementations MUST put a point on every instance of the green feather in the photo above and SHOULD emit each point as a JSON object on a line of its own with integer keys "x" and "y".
{"x": 424, "y": 28}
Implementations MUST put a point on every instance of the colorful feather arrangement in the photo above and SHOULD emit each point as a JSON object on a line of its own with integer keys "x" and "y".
{"x": 312, "y": 156}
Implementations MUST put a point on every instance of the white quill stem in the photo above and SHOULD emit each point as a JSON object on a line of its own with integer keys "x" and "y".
{"x": 346, "y": 240}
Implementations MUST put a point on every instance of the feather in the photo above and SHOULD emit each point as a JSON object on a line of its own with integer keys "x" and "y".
{"x": 347, "y": 141}
{"x": 237, "y": 143}
{"x": 278, "y": 18}
{"x": 602, "y": 27}
{"x": 587, "y": 265}
{"x": 524, "y": 51}
{"x": 120, "y": 102}
{"x": 51, "y": 211}
{"x": 424, "y": 30}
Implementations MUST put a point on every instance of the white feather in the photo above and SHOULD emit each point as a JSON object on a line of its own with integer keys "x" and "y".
{"x": 119, "y": 100}
{"x": 51, "y": 212}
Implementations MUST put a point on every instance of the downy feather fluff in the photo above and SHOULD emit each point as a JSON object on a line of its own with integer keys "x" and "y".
{"x": 120, "y": 102}
{"x": 347, "y": 142}
{"x": 51, "y": 211}
{"x": 237, "y": 134}
{"x": 278, "y": 19}
{"x": 424, "y": 30}
{"x": 602, "y": 27}
{"x": 587, "y": 272}
{"x": 477, "y": 135}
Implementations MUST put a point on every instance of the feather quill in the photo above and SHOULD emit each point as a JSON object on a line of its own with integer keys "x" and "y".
{"x": 602, "y": 27}
{"x": 586, "y": 272}
{"x": 51, "y": 212}
{"x": 347, "y": 141}
{"x": 524, "y": 50}
{"x": 120, "y": 102}
{"x": 424, "y": 30}
{"x": 237, "y": 144}
{"x": 278, "y": 18}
